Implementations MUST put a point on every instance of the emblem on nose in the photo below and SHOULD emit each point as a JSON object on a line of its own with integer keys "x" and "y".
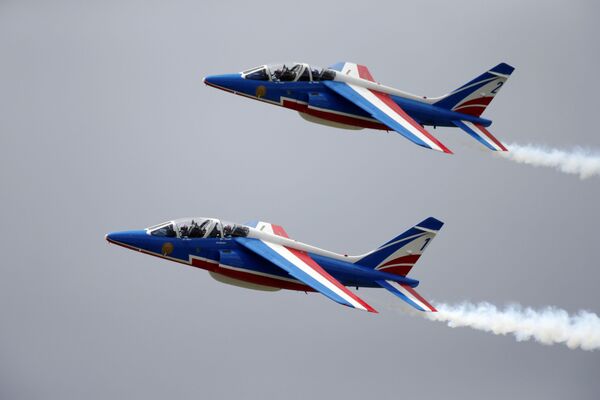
{"x": 167, "y": 248}
{"x": 261, "y": 91}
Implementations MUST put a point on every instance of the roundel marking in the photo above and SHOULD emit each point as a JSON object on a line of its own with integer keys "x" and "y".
{"x": 261, "y": 91}
{"x": 167, "y": 248}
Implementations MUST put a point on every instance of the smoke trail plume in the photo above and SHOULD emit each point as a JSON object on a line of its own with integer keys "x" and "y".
{"x": 579, "y": 161}
{"x": 548, "y": 326}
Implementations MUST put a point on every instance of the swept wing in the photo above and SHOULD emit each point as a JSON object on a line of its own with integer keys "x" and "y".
{"x": 381, "y": 106}
{"x": 302, "y": 267}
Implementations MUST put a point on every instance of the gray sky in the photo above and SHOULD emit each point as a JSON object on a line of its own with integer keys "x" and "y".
{"x": 106, "y": 125}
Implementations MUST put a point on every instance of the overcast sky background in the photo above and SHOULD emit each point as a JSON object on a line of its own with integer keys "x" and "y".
{"x": 105, "y": 125}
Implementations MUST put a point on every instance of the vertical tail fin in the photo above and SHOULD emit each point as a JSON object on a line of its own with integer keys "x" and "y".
{"x": 400, "y": 254}
{"x": 473, "y": 97}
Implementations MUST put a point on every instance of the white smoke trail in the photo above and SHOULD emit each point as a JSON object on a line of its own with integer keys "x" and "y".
{"x": 548, "y": 326}
{"x": 584, "y": 163}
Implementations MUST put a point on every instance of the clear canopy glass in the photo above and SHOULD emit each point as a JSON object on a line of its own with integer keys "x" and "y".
{"x": 198, "y": 228}
{"x": 289, "y": 72}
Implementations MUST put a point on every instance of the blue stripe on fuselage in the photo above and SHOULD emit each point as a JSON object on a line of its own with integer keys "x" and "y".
{"x": 238, "y": 256}
{"x": 326, "y": 99}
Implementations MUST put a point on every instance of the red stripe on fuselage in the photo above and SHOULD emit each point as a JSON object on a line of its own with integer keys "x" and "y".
{"x": 213, "y": 266}
{"x": 147, "y": 252}
{"x": 301, "y": 107}
{"x": 262, "y": 280}
{"x": 330, "y": 116}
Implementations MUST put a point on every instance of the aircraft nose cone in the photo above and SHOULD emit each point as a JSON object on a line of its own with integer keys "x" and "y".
{"x": 227, "y": 81}
{"x": 113, "y": 237}
{"x": 126, "y": 238}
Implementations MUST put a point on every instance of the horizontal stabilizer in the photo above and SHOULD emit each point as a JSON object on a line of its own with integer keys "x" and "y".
{"x": 407, "y": 294}
{"x": 481, "y": 134}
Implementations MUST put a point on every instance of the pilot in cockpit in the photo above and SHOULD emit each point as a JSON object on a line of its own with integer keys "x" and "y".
{"x": 196, "y": 231}
{"x": 215, "y": 232}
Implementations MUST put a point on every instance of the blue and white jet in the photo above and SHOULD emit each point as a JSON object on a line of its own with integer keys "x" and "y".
{"x": 261, "y": 256}
{"x": 345, "y": 95}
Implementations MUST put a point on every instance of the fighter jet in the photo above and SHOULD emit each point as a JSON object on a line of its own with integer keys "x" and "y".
{"x": 345, "y": 95}
{"x": 259, "y": 255}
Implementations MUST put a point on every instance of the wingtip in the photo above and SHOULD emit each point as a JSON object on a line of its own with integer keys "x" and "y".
{"x": 442, "y": 149}
{"x": 371, "y": 309}
{"x": 438, "y": 146}
{"x": 364, "y": 306}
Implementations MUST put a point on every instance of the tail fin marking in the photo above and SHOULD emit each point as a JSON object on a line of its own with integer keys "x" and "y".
{"x": 473, "y": 97}
{"x": 400, "y": 254}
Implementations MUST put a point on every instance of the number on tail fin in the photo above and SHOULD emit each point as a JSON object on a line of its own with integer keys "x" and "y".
{"x": 498, "y": 86}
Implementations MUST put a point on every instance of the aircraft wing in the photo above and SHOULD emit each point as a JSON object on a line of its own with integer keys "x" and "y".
{"x": 299, "y": 265}
{"x": 381, "y": 107}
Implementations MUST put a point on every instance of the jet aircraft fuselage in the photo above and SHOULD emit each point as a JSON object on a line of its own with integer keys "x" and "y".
{"x": 330, "y": 107}
{"x": 261, "y": 256}
{"x": 346, "y": 96}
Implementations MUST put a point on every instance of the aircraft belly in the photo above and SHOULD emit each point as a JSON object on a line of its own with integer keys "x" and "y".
{"x": 332, "y": 110}
{"x": 228, "y": 280}
{"x": 322, "y": 120}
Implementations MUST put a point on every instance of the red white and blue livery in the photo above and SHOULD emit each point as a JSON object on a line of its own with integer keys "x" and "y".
{"x": 345, "y": 95}
{"x": 261, "y": 256}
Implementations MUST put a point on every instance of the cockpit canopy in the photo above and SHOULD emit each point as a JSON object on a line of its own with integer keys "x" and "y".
{"x": 198, "y": 228}
{"x": 289, "y": 72}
